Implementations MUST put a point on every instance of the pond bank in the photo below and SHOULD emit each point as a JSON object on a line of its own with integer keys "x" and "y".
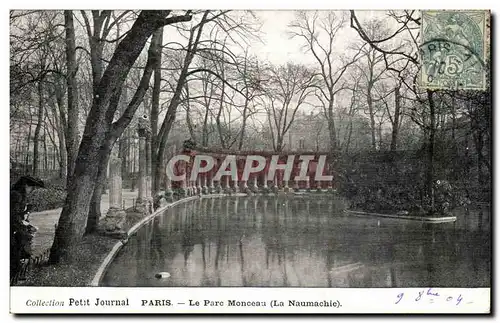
{"x": 428, "y": 219}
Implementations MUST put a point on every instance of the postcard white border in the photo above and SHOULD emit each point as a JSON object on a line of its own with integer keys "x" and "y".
{"x": 261, "y": 4}
{"x": 163, "y": 300}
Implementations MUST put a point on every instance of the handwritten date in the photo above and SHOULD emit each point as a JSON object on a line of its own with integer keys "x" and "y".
{"x": 431, "y": 296}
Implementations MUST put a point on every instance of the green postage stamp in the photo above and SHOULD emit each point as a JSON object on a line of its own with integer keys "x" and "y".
{"x": 454, "y": 49}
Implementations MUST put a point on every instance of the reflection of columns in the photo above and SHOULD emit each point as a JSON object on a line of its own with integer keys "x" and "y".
{"x": 184, "y": 180}
{"x": 245, "y": 206}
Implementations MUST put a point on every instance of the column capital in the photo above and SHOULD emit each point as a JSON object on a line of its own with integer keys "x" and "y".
{"x": 144, "y": 126}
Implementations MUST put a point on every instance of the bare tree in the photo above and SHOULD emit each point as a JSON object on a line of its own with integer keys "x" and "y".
{"x": 399, "y": 58}
{"x": 288, "y": 89}
{"x": 101, "y": 132}
{"x": 319, "y": 34}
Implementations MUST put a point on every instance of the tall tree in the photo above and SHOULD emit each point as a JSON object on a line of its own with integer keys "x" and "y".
{"x": 407, "y": 24}
{"x": 290, "y": 87}
{"x": 101, "y": 132}
{"x": 155, "y": 104}
{"x": 319, "y": 34}
{"x": 72, "y": 112}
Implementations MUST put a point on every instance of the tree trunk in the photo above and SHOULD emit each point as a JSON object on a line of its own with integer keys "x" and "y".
{"x": 204, "y": 139}
{"x": 155, "y": 108}
{"x": 369, "y": 100}
{"x": 124, "y": 143}
{"x": 27, "y": 158}
{"x": 72, "y": 112}
{"x": 100, "y": 132}
{"x": 60, "y": 128}
{"x": 45, "y": 155}
{"x": 95, "y": 203}
{"x": 36, "y": 137}
{"x": 73, "y": 219}
{"x": 349, "y": 135}
{"x": 244, "y": 122}
{"x": 395, "y": 123}
{"x": 331, "y": 127}
{"x": 430, "y": 151}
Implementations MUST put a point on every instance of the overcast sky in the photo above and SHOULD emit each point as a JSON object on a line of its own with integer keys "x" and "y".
{"x": 279, "y": 48}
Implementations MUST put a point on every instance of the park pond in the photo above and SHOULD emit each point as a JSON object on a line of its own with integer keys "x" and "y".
{"x": 301, "y": 241}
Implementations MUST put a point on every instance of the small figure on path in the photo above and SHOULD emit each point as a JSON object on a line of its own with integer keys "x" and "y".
{"x": 21, "y": 231}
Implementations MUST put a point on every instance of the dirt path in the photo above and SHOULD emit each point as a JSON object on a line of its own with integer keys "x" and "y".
{"x": 46, "y": 221}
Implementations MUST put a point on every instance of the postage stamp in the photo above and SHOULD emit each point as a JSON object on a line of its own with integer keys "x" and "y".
{"x": 454, "y": 49}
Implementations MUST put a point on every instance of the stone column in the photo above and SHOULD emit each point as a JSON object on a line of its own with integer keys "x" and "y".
{"x": 168, "y": 186}
{"x": 285, "y": 186}
{"x": 265, "y": 180}
{"x": 217, "y": 186}
{"x": 143, "y": 204}
{"x": 142, "y": 185}
{"x": 183, "y": 184}
{"x": 227, "y": 188}
{"x": 275, "y": 187}
{"x": 211, "y": 188}
{"x": 204, "y": 186}
{"x": 235, "y": 186}
{"x": 116, "y": 217}
{"x": 318, "y": 186}
{"x": 199, "y": 187}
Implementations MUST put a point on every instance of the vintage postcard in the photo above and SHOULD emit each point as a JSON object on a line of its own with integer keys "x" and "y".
{"x": 229, "y": 161}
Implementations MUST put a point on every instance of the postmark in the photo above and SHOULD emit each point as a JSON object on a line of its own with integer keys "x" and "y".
{"x": 454, "y": 49}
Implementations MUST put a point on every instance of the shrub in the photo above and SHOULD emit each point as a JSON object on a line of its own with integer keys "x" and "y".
{"x": 382, "y": 181}
{"x": 43, "y": 199}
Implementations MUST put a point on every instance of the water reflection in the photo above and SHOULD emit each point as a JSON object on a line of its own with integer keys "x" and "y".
{"x": 279, "y": 241}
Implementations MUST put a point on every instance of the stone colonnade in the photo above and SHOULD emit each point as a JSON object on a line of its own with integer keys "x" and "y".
{"x": 205, "y": 183}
